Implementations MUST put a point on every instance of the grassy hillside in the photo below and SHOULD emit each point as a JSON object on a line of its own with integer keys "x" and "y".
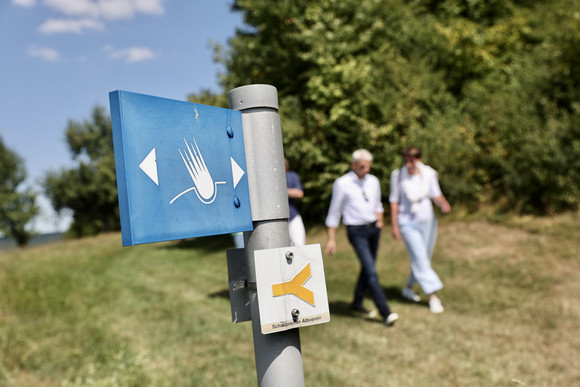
{"x": 91, "y": 313}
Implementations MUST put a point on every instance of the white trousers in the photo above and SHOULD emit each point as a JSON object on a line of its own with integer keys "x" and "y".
{"x": 420, "y": 239}
{"x": 297, "y": 231}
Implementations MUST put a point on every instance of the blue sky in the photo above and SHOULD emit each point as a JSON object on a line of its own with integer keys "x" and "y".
{"x": 60, "y": 58}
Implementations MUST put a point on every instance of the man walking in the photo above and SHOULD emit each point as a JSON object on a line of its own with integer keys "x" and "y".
{"x": 356, "y": 197}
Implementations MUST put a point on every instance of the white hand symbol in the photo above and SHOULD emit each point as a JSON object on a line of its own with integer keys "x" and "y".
{"x": 203, "y": 184}
{"x": 198, "y": 170}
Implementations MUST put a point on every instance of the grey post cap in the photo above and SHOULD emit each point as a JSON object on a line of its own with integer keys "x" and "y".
{"x": 253, "y": 96}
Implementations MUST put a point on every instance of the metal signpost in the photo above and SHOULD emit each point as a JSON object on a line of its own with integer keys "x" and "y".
{"x": 189, "y": 170}
{"x": 279, "y": 356}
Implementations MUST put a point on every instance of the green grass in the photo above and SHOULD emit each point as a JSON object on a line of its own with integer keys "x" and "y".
{"x": 91, "y": 313}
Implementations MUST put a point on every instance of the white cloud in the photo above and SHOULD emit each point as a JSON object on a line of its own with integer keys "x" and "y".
{"x": 86, "y": 15}
{"x": 24, "y": 3}
{"x": 132, "y": 54}
{"x": 81, "y": 8}
{"x": 106, "y": 9}
{"x": 58, "y": 26}
{"x": 77, "y": 26}
{"x": 45, "y": 53}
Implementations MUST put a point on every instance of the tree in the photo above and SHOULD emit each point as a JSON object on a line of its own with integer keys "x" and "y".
{"x": 17, "y": 205}
{"x": 90, "y": 189}
{"x": 350, "y": 74}
{"x": 489, "y": 89}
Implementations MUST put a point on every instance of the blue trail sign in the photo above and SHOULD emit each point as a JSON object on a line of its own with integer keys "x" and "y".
{"x": 181, "y": 169}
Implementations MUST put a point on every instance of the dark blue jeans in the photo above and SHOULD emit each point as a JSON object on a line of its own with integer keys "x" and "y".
{"x": 365, "y": 240}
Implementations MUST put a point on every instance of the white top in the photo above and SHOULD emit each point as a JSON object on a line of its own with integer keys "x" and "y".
{"x": 357, "y": 200}
{"x": 414, "y": 193}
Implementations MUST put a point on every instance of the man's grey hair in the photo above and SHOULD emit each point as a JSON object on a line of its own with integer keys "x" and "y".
{"x": 361, "y": 154}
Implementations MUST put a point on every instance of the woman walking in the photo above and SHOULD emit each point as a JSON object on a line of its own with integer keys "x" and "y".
{"x": 413, "y": 220}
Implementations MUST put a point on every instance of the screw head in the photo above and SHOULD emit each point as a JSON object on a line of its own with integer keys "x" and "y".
{"x": 237, "y": 203}
{"x": 295, "y": 314}
{"x": 230, "y": 131}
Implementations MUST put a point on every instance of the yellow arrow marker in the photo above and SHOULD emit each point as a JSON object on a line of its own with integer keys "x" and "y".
{"x": 294, "y": 286}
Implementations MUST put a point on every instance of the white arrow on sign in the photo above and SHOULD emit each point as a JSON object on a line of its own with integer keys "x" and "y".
{"x": 237, "y": 171}
{"x": 149, "y": 166}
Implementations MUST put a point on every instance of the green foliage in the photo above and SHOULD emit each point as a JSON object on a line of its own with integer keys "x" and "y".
{"x": 527, "y": 130}
{"x": 489, "y": 89}
{"x": 206, "y": 97}
{"x": 90, "y": 189}
{"x": 17, "y": 204}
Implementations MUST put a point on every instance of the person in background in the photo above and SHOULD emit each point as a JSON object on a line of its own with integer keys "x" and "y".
{"x": 356, "y": 198}
{"x": 413, "y": 220}
{"x": 238, "y": 240}
{"x": 295, "y": 192}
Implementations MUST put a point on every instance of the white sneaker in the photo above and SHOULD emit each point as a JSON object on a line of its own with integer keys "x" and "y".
{"x": 410, "y": 295}
{"x": 435, "y": 305}
{"x": 391, "y": 318}
{"x": 365, "y": 312}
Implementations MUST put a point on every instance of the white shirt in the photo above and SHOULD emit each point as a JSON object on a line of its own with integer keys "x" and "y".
{"x": 356, "y": 200}
{"x": 424, "y": 206}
